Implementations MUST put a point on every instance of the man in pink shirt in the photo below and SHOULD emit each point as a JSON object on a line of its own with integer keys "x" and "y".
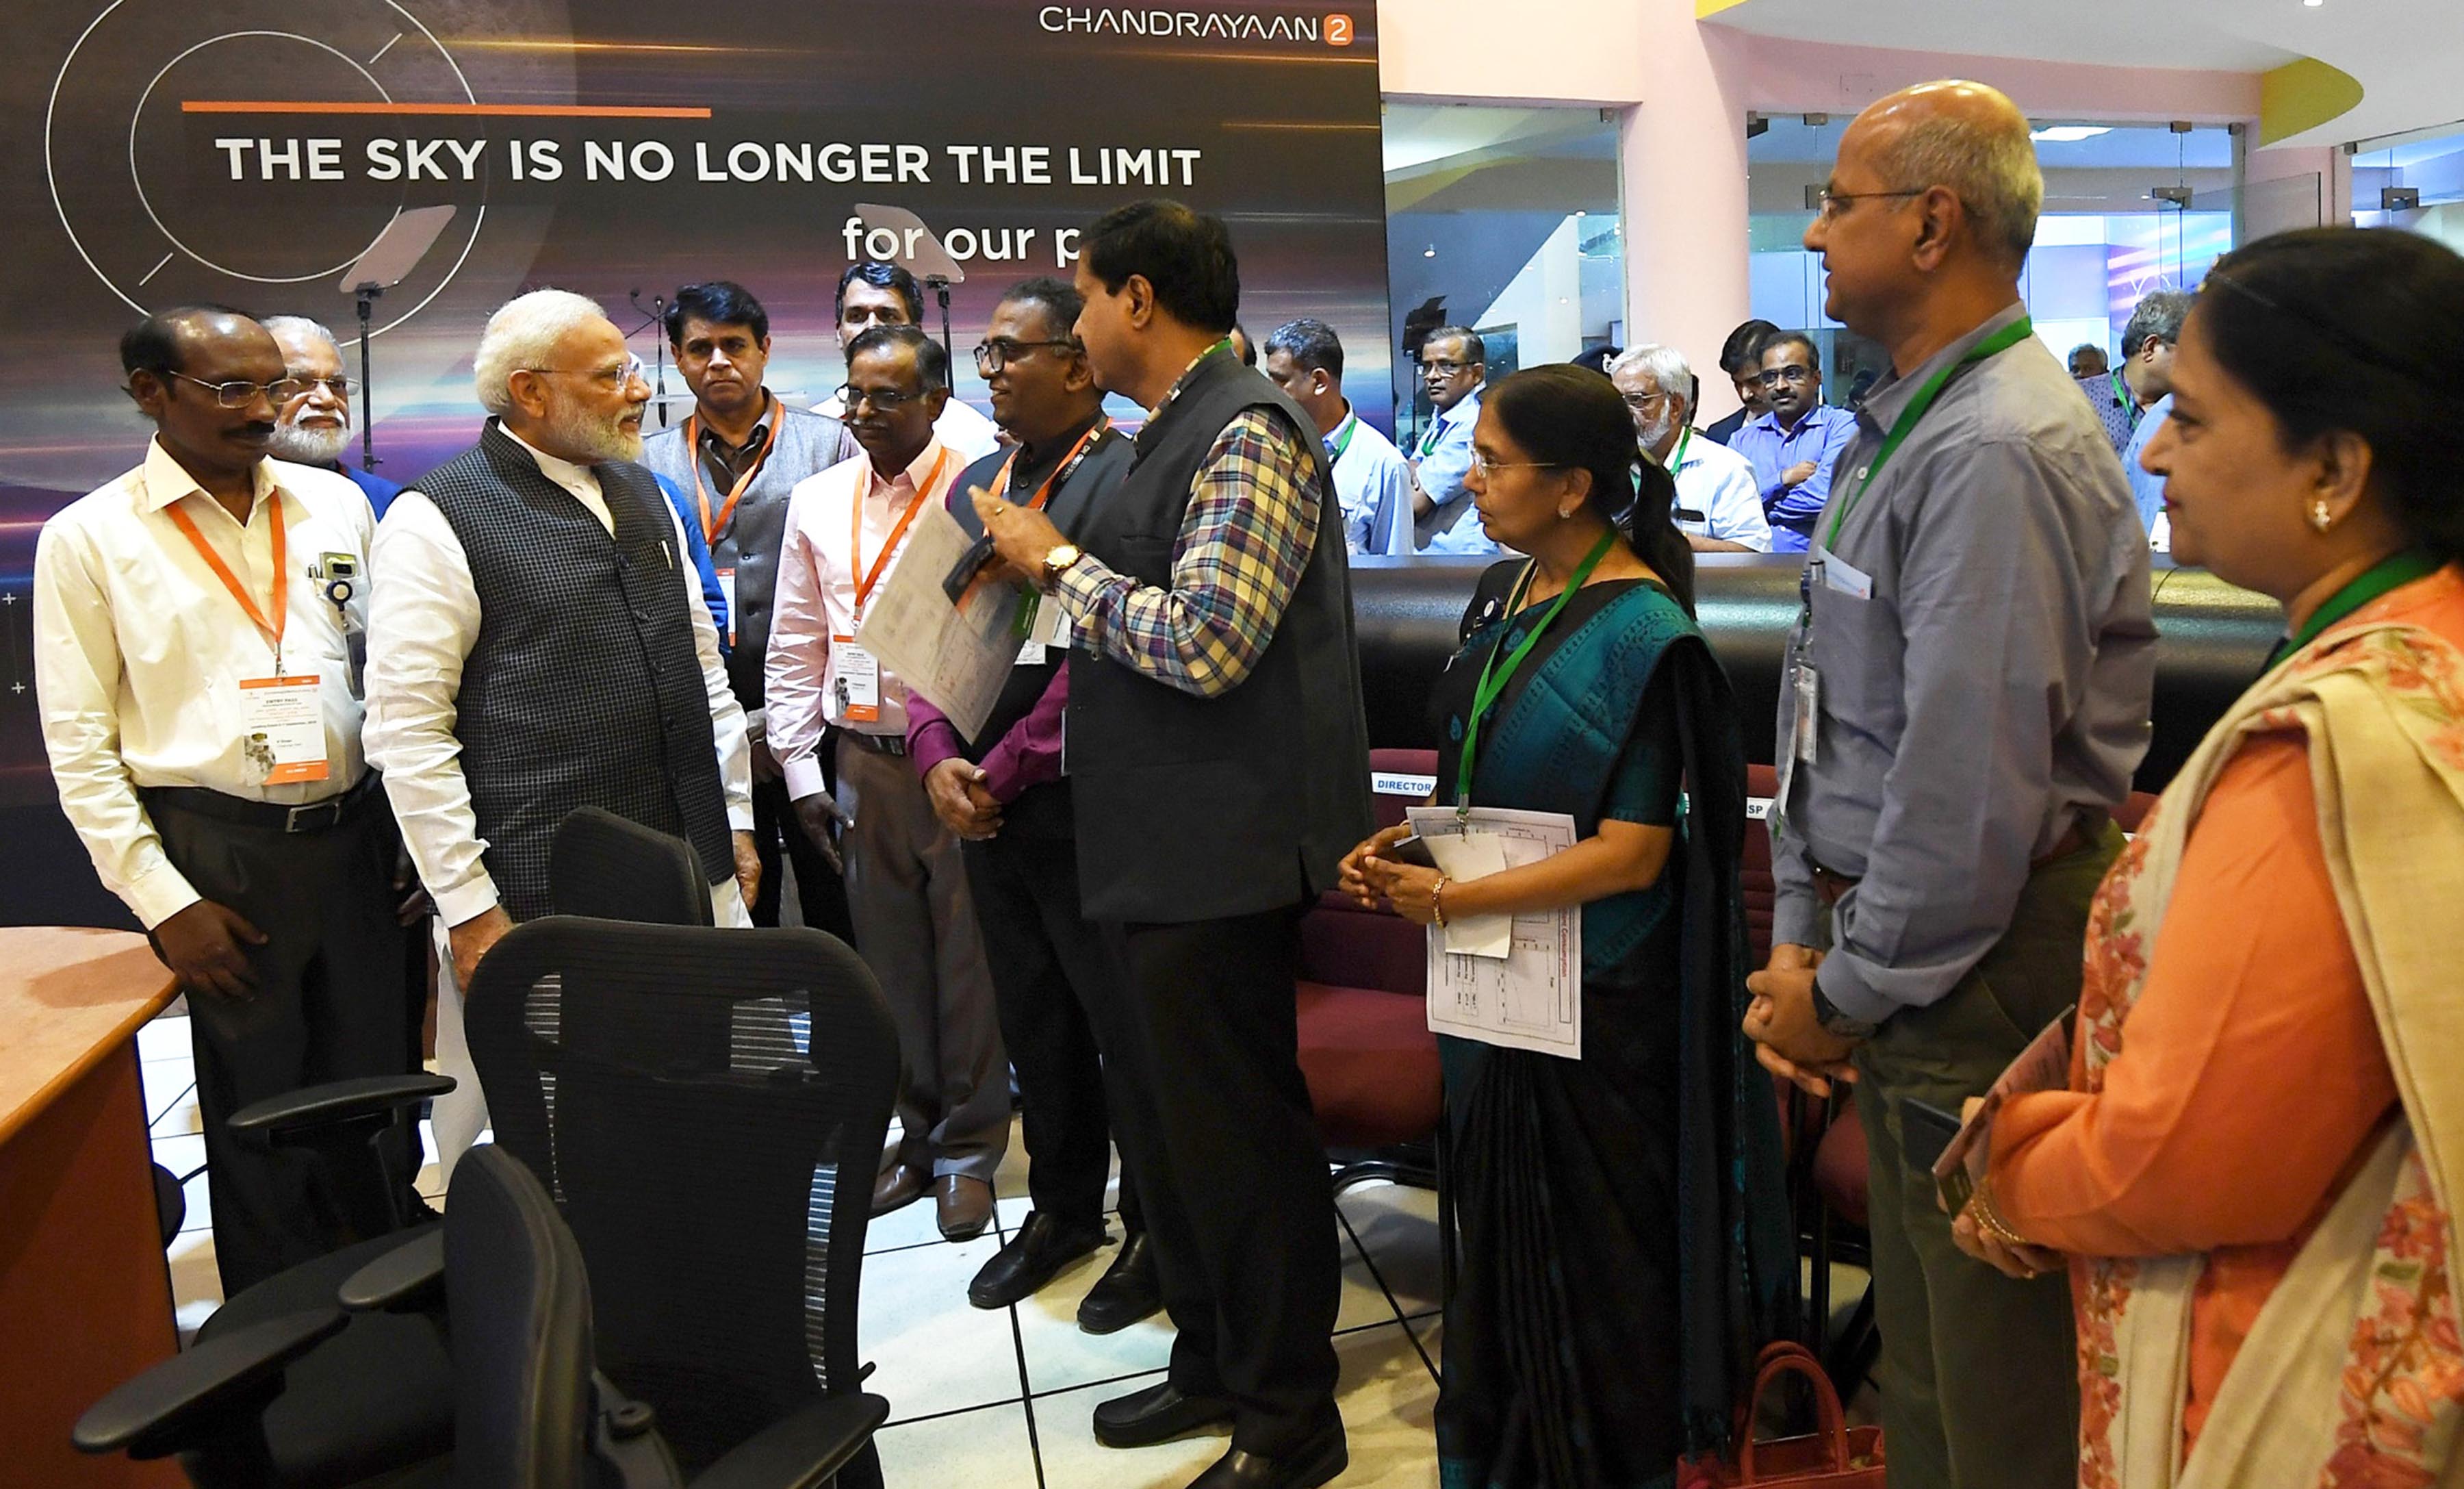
{"x": 907, "y": 887}
{"x": 1004, "y": 793}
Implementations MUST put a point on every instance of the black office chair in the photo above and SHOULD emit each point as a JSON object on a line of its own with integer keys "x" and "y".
{"x": 530, "y": 1410}
{"x": 612, "y": 867}
{"x": 707, "y": 1107}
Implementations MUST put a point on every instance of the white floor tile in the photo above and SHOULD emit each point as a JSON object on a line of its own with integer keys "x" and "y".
{"x": 936, "y": 1352}
{"x": 177, "y": 1113}
{"x": 196, "y": 1286}
{"x": 1388, "y": 1400}
{"x": 164, "y": 1037}
{"x": 1398, "y": 1226}
{"x": 987, "y": 1448}
{"x": 1073, "y": 1459}
{"x": 913, "y": 1224}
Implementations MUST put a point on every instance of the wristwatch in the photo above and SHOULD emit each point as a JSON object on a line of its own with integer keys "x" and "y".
{"x": 1057, "y": 563}
{"x": 1828, "y": 1015}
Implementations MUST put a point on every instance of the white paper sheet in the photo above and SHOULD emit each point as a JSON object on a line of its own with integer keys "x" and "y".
{"x": 1533, "y": 997}
{"x": 957, "y": 658}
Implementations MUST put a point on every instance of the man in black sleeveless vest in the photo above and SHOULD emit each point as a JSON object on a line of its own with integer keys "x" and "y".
{"x": 1004, "y": 794}
{"x": 540, "y": 644}
{"x": 1218, "y": 759}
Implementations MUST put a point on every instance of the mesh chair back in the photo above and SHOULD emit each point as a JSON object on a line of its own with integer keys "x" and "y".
{"x": 707, "y": 1107}
{"x": 520, "y": 1319}
{"x": 618, "y": 870}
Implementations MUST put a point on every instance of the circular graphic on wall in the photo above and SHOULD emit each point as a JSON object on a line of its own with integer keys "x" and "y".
{"x": 250, "y": 153}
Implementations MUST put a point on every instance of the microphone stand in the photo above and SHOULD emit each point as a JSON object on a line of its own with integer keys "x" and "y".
{"x": 366, "y": 294}
{"x": 939, "y": 284}
{"x": 655, "y": 316}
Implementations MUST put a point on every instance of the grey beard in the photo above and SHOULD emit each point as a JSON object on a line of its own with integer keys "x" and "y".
{"x": 594, "y": 440}
{"x": 1657, "y": 431}
{"x": 308, "y": 446}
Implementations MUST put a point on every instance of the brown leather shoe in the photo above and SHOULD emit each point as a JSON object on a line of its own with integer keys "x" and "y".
{"x": 902, "y": 1183}
{"x": 966, "y": 1205}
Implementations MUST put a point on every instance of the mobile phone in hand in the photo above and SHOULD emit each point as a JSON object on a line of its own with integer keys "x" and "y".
{"x": 1413, "y": 849}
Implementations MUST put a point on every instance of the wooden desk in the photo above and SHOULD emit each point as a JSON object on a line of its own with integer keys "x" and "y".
{"x": 85, "y": 1295}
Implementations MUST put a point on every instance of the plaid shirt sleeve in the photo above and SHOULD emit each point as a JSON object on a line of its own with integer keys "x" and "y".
{"x": 1252, "y": 521}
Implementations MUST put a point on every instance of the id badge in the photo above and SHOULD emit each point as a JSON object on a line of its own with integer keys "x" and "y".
{"x": 859, "y": 680}
{"x": 1051, "y": 625}
{"x": 727, "y": 597}
{"x": 1808, "y": 706}
{"x": 282, "y": 730}
{"x": 1030, "y": 654}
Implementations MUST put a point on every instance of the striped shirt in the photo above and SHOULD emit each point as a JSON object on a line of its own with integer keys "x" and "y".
{"x": 1247, "y": 536}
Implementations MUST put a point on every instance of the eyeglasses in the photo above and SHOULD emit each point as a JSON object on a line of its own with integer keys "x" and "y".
{"x": 887, "y": 400}
{"x": 1639, "y": 401}
{"x": 339, "y": 387}
{"x": 1794, "y": 376}
{"x": 1829, "y": 205}
{"x": 1482, "y": 465}
{"x": 1446, "y": 368}
{"x": 999, "y": 351}
{"x": 239, "y": 392}
{"x": 609, "y": 378}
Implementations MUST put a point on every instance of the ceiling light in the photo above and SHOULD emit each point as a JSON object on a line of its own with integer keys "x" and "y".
{"x": 1430, "y": 251}
{"x": 2071, "y": 134}
{"x": 2314, "y": 4}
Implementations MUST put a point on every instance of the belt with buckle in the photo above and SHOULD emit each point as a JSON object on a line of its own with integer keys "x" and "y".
{"x": 1831, "y": 887}
{"x": 273, "y": 816}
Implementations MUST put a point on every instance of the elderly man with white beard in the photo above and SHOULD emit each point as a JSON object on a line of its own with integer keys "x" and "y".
{"x": 1719, "y": 507}
{"x": 314, "y": 426}
{"x": 596, "y": 678}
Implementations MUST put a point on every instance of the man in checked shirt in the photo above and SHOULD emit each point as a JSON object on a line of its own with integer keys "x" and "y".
{"x": 1220, "y": 768}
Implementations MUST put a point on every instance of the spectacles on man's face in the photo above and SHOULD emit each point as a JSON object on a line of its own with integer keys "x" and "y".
{"x": 614, "y": 378}
{"x": 239, "y": 392}
{"x": 884, "y": 400}
{"x": 1638, "y": 402}
{"x": 337, "y": 385}
{"x": 1795, "y": 375}
{"x": 1828, "y": 204}
{"x": 996, "y": 352}
{"x": 1446, "y": 369}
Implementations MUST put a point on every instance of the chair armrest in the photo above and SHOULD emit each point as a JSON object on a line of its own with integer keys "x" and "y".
{"x": 336, "y": 1102}
{"x": 408, "y": 1279}
{"x": 205, "y": 1392}
{"x": 802, "y": 1451}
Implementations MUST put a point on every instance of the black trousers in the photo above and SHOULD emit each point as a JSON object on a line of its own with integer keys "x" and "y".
{"x": 820, "y": 892}
{"x": 1232, "y": 1172}
{"x": 1052, "y": 971}
{"x": 332, "y": 1002}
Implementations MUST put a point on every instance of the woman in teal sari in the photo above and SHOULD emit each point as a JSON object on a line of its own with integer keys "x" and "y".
{"x": 1622, "y": 1218}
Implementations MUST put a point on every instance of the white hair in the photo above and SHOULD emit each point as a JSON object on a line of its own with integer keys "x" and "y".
{"x": 300, "y": 325}
{"x": 521, "y": 336}
{"x": 1666, "y": 366}
{"x": 1991, "y": 169}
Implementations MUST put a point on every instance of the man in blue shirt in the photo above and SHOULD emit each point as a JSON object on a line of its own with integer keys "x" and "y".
{"x": 1371, "y": 483}
{"x": 1454, "y": 369}
{"x": 1794, "y": 446}
{"x": 2147, "y": 371}
{"x": 315, "y": 427}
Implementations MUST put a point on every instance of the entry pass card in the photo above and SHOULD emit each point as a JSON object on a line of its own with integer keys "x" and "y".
{"x": 858, "y": 675}
{"x": 2044, "y": 1065}
{"x": 727, "y": 598}
{"x": 282, "y": 730}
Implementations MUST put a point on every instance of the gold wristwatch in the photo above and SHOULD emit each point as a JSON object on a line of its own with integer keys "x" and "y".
{"x": 1057, "y": 563}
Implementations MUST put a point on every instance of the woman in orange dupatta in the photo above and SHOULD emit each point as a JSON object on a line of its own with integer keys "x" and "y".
{"x": 2254, "y": 1172}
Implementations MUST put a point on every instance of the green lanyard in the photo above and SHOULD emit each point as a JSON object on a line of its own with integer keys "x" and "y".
{"x": 1343, "y": 441}
{"x": 1492, "y": 683}
{"x": 2001, "y": 341}
{"x": 2122, "y": 399}
{"x": 2390, "y": 572}
{"x": 1677, "y": 456}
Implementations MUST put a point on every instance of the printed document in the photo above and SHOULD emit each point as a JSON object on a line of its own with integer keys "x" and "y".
{"x": 1515, "y": 981}
{"x": 956, "y": 653}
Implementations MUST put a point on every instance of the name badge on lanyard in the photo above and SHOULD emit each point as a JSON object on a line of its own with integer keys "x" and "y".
{"x": 282, "y": 719}
{"x": 727, "y": 598}
{"x": 858, "y": 681}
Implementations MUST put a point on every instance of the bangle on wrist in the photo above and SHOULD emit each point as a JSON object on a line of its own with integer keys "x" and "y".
{"x": 1438, "y": 900}
{"x": 1988, "y": 1219}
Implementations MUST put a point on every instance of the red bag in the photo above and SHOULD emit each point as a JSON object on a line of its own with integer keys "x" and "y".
{"x": 1836, "y": 1457}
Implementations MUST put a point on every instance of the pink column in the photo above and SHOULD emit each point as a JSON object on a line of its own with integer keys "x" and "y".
{"x": 1682, "y": 161}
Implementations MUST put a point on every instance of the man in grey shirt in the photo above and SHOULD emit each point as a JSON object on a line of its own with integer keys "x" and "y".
{"x": 1966, "y": 698}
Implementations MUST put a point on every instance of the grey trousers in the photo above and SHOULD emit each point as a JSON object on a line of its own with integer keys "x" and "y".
{"x": 915, "y": 928}
{"x": 1979, "y": 1374}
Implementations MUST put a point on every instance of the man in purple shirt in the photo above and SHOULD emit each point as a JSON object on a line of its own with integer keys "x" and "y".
{"x": 1794, "y": 446}
{"x": 1005, "y": 796}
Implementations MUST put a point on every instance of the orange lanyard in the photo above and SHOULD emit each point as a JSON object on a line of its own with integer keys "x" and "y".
{"x": 864, "y": 585}
{"x": 273, "y": 633}
{"x": 1069, "y": 466}
{"x": 713, "y": 526}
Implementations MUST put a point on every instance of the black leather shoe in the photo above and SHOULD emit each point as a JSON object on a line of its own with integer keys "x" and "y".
{"x": 1034, "y": 1256}
{"x": 1127, "y": 1292}
{"x": 1157, "y": 1415}
{"x": 1306, "y": 1467}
